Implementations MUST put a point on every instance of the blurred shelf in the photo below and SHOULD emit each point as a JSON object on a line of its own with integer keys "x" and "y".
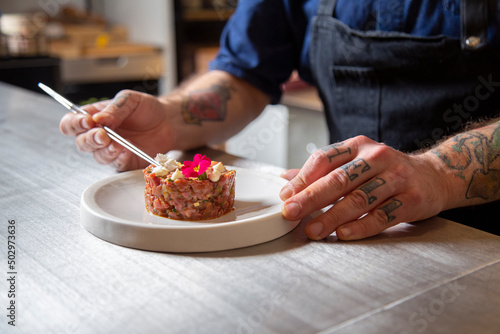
{"x": 306, "y": 98}
{"x": 198, "y": 29}
{"x": 200, "y": 15}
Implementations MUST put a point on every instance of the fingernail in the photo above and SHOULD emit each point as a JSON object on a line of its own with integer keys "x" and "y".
{"x": 84, "y": 123}
{"x": 292, "y": 209}
{"x": 98, "y": 138}
{"x": 345, "y": 232}
{"x": 112, "y": 149}
{"x": 286, "y": 192}
{"x": 314, "y": 229}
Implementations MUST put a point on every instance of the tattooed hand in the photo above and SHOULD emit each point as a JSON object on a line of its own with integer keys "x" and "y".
{"x": 372, "y": 187}
{"x": 205, "y": 110}
{"x": 138, "y": 117}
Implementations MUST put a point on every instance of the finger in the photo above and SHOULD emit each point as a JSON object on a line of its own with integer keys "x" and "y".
{"x": 124, "y": 104}
{"x": 124, "y": 161}
{"x": 390, "y": 213}
{"x": 108, "y": 154}
{"x": 329, "y": 188}
{"x": 96, "y": 107}
{"x": 289, "y": 174}
{"x": 371, "y": 224}
{"x": 92, "y": 140}
{"x": 322, "y": 161}
{"x": 354, "y": 205}
{"x": 74, "y": 124}
{"x": 319, "y": 163}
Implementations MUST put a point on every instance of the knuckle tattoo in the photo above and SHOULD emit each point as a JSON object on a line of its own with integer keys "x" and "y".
{"x": 370, "y": 186}
{"x": 389, "y": 208}
{"x": 355, "y": 168}
{"x": 334, "y": 150}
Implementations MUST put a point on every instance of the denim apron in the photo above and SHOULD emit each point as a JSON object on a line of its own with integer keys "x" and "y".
{"x": 406, "y": 91}
{"x": 403, "y": 90}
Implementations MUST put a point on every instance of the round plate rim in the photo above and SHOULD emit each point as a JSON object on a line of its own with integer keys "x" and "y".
{"x": 130, "y": 225}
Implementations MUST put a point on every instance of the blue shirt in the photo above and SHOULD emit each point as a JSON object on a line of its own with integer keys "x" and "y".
{"x": 265, "y": 40}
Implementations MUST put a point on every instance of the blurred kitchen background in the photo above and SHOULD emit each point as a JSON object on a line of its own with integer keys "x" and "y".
{"x": 89, "y": 50}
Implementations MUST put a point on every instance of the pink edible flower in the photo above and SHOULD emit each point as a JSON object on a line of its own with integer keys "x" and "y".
{"x": 196, "y": 167}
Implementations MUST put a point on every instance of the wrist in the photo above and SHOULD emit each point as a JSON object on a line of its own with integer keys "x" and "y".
{"x": 181, "y": 134}
{"x": 447, "y": 183}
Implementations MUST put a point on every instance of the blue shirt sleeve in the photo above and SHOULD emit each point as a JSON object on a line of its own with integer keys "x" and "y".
{"x": 258, "y": 46}
{"x": 265, "y": 40}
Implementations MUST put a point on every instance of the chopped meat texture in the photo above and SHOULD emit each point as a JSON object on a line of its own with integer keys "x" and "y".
{"x": 189, "y": 198}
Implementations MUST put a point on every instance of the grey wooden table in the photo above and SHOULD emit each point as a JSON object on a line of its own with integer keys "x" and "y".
{"x": 434, "y": 276}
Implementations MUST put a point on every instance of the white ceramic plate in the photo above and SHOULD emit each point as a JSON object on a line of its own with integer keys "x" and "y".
{"x": 113, "y": 209}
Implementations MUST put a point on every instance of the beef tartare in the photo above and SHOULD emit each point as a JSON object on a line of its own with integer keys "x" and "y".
{"x": 194, "y": 190}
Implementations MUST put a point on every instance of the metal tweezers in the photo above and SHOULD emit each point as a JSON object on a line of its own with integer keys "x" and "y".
{"x": 112, "y": 134}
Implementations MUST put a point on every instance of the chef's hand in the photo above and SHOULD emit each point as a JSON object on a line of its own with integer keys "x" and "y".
{"x": 140, "y": 118}
{"x": 371, "y": 185}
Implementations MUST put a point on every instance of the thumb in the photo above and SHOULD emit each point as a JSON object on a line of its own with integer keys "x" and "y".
{"x": 118, "y": 109}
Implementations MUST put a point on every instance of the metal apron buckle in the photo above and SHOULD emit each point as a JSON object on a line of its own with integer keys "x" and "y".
{"x": 474, "y": 24}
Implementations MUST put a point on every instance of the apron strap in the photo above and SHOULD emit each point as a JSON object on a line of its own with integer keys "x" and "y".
{"x": 326, "y": 7}
{"x": 474, "y": 24}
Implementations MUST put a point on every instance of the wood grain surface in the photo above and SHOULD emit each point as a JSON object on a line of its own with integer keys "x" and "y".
{"x": 434, "y": 276}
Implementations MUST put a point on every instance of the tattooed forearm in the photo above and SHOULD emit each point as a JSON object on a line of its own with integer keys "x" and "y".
{"x": 474, "y": 158}
{"x": 208, "y": 104}
{"x": 458, "y": 156}
{"x": 334, "y": 150}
